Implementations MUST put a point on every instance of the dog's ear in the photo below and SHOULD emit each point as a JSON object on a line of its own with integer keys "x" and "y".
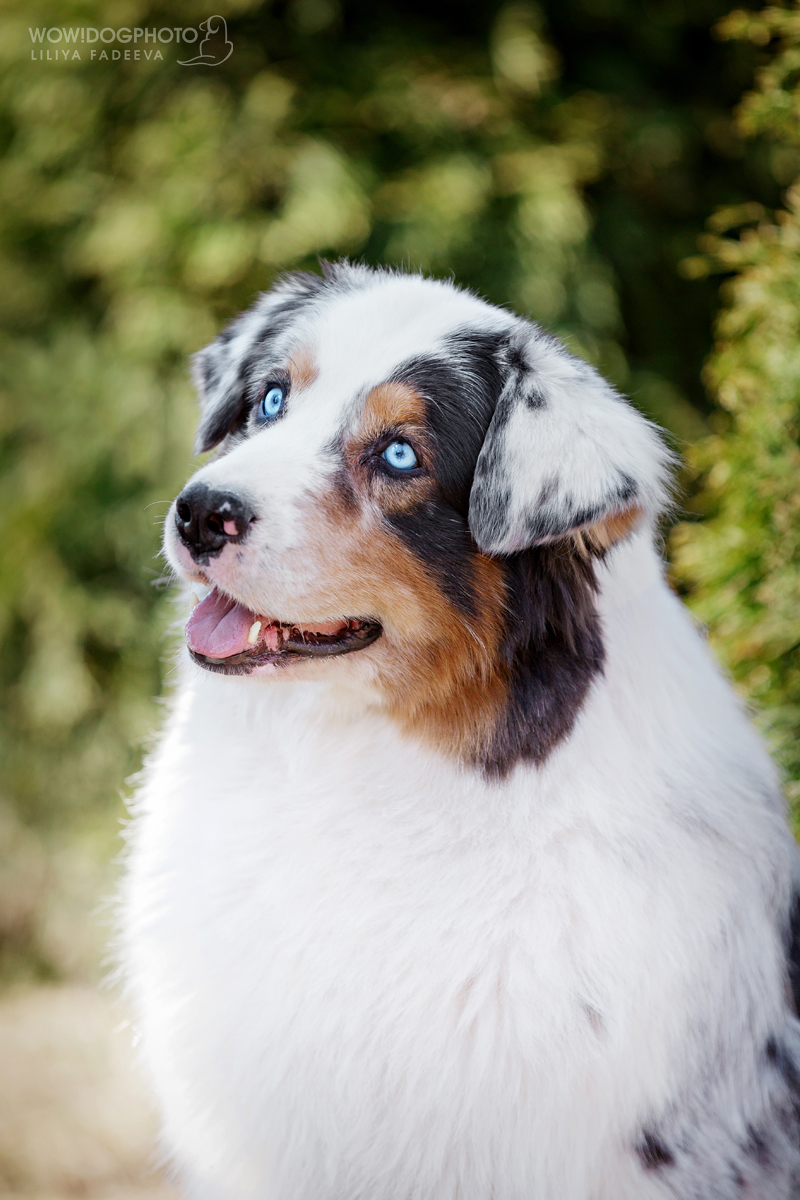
{"x": 221, "y": 370}
{"x": 563, "y": 454}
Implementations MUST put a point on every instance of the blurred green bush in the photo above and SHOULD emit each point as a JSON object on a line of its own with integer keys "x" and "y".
{"x": 561, "y": 158}
{"x": 741, "y": 563}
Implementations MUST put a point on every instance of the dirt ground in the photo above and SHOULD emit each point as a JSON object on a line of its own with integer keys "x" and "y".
{"x": 75, "y": 1117}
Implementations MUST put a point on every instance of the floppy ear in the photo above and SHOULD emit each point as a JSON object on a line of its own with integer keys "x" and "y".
{"x": 221, "y": 370}
{"x": 564, "y": 453}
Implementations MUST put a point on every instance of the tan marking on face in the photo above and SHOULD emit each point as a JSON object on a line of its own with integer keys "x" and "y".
{"x": 436, "y": 667}
{"x": 390, "y": 406}
{"x": 303, "y": 370}
{"x": 392, "y": 410}
{"x": 454, "y": 689}
{"x": 611, "y": 529}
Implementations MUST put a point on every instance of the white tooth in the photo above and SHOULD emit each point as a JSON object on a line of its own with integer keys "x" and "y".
{"x": 255, "y": 630}
{"x": 194, "y": 599}
{"x": 200, "y": 591}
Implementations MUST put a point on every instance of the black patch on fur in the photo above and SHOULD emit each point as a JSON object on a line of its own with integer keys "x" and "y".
{"x": 221, "y": 420}
{"x": 545, "y": 523}
{"x": 535, "y": 398}
{"x": 756, "y": 1147}
{"x": 626, "y": 490}
{"x": 653, "y": 1153}
{"x": 552, "y": 646}
{"x": 440, "y": 538}
{"x": 305, "y": 283}
{"x": 210, "y": 375}
{"x": 553, "y": 649}
{"x": 491, "y": 496}
{"x": 738, "y": 1178}
{"x": 460, "y": 390}
{"x": 564, "y": 514}
{"x": 780, "y": 1058}
{"x": 227, "y": 413}
{"x": 793, "y": 951}
{"x": 516, "y": 358}
{"x": 709, "y": 1153}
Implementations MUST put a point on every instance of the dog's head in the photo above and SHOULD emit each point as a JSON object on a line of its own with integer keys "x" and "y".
{"x": 410, "y": 489}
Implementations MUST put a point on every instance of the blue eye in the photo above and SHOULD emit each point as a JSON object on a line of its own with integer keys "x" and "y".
{"x": 271, "y": 404}
{"x": 401, "y": 455}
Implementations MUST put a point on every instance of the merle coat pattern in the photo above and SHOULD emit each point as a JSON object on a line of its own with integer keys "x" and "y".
{"x": 459, "y": 872}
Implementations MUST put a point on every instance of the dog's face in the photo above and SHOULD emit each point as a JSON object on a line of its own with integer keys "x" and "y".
{"x": 409, "y": 488}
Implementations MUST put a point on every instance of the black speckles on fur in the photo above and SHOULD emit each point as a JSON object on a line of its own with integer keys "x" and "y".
{"x": 516, "y": 359}
{"x": 490, "y": 497}
{"x": 626, "y": 489}
{"x": 756, "y": 1147}
{"x": 535, "y": 398}
{"x": 556, "y": 511}
{"x": 653, "y": 1153}
{"x": 209, "y": 373}
{"x": 551, "y": 520}
{"x": 781, "y": 1058}
{"x": 714, "y": 1154}
{"x": 792, "y": 942}
{"x": 304, "y": 285}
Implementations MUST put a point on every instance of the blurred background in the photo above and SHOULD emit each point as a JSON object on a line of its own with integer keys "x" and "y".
{"x": 621, "y": 170}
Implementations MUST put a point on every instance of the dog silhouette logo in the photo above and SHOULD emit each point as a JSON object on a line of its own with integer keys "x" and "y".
{"x": 215, "y": 48}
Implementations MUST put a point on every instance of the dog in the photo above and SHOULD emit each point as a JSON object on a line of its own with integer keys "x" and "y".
{"x": 459, "y": 872}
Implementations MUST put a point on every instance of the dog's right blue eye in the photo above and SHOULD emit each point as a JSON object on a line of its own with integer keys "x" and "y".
{"x": 271, "y": 403}
{"x": 400, "y": 454}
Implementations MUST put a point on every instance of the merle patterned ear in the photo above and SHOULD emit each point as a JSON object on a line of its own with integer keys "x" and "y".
{"x": 220, "y": 371}
{"x": 564, "y": 452}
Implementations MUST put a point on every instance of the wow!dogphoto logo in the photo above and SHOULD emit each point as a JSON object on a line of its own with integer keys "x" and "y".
{"x": 206, "y": 46}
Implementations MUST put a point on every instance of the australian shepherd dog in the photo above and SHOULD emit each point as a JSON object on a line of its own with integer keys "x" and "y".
{"x": 459, "y": 872}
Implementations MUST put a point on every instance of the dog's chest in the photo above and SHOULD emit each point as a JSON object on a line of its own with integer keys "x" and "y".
{"x": 326, "y": 929}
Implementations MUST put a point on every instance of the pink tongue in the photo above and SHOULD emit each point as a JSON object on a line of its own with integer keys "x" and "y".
{"x": 218, "y": 626}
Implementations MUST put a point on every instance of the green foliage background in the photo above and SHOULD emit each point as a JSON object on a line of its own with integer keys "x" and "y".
{"x": 741, "y": 563}
{"x": 560, "y": 157}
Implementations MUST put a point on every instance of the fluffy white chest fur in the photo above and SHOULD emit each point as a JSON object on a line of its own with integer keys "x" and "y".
{"x": 459, "y": 873}
{"x": 363, "y": 972}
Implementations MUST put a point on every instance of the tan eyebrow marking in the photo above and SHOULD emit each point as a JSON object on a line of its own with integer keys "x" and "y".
{"x": 303, "y": 370}
{"x": 389, "y": 405}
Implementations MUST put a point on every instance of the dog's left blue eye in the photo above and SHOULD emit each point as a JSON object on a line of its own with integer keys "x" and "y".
{"x": 271, "y": 404}
{"x": 400, "y": 455}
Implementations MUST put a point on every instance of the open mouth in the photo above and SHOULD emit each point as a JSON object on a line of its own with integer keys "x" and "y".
{"x": 227, "y": 637}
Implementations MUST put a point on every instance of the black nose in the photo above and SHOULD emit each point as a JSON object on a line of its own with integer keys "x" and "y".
{"x": 206, "y": 519}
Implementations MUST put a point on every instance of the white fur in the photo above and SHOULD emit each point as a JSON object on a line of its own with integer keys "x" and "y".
{"x": 364, "y": 972}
